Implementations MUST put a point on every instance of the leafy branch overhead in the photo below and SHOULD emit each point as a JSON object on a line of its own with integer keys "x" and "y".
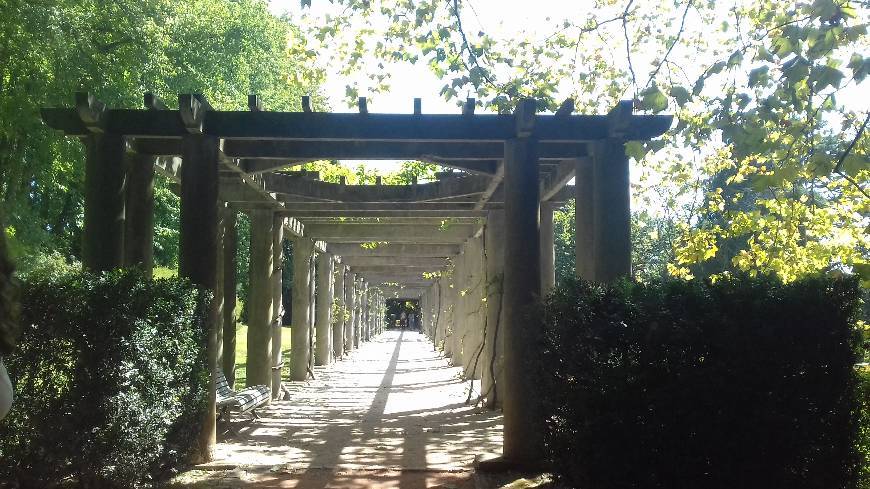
{"x": 767, "y": 167}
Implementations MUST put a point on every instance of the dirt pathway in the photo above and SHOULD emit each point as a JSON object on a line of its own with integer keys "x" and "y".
{"x": 391, "y": 414}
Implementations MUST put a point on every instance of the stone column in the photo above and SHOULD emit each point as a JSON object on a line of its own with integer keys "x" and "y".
{"x": 260, "y": 297}
{"x": 548, "y": 250}
{"x": 139, "y": 212}
{"x": 493, "y": 354}
{"x": 231, "y": 247}
{"x": 277, "y": 303}
{"x": 523, "y": 424}
{"x": 351, "y": 297}
{"x": 103, "y": 233}
{"x": 475, "y": 314}
{"x": 584, "y": 228}
{"x": 338, "y": 322}
{"x": 364, "y": 312}
{"x": 312, "y": 311}
{"x": 325, "y": 296}
{"x": 611, "y": 194}
{"x": 199, "y": 242}
{"x": 303, "y": 248}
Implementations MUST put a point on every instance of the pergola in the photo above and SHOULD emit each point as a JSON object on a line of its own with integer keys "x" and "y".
{"x": 475, "y": 246}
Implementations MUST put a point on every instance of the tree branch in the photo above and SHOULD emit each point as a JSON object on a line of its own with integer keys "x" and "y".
{"x": 671, "y": 47}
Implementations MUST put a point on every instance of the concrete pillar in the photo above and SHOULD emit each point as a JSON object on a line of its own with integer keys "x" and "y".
{"x": 103, "y": 233}
{"x": 231, "y": 248}
{"x": 351, "y": 297}
{"x": 475, "y": 313}
{"x": 523, "y": 423}
{"x": 492, "y": 378}
{"x": 303, "y": 248}
{"x": 325, "y": 296}
{"x": 338, "y": 322}
{"x": 199, "y": 244}
{"x": 312, "y": 311}
{"x": 139, "y": 213}
{"x": 357, "y": 317}
{"x": 364, "y": 312}
{"x": 611, "y": 206}
{"x": 260, "y": 297}
{"x": 584, "y": 257}
{"x": 548, "y": 249}
{"x": 277, "y": 303}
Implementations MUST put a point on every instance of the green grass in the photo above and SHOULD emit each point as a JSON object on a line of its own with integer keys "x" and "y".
{"x": 242, "y": 353}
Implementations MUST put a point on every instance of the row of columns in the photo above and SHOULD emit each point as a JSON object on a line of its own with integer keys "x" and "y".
{"x": 484, "y": 314}
{"x": 119, "y": 230}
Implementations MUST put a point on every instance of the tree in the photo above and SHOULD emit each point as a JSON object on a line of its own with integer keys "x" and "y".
{"x": 119, "y": 50}
{"x": 765, "y": 171}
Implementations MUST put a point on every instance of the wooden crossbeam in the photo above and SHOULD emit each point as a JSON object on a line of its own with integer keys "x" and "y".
{"x": 394, "y": 250}
{"x": 318, "y": 126}
{"x": 443, "y": 189}
{"x": 557, "y": 181}
{"x": 392, "y": 233}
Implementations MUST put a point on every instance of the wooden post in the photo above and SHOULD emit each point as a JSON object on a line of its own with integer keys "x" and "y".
{"x": 312, "y": 309}
{"x": 299, "y": 347}
{"x": 277, "y": 303}
{"x": 492, "y": 380}
{"x": 198, "y": 253}
{"x": 325, "y": 296}
{"x": 584, "y": 226}
{"x": 612, "y": 211}
{"x": 103, "y": 233}
{"x": 139, "y": 212}
{"x": 231, "y": 249}
{"x": 350, "y": 294}
{"x": 338, "y": 322}
{"x": 259, "y": 364}
{"x": 548, "y": 249}
{"x": 523, "y": 425}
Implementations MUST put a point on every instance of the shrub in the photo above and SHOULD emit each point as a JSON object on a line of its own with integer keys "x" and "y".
{"x": 739, "y": 383}
{"x": 110, "y": 376}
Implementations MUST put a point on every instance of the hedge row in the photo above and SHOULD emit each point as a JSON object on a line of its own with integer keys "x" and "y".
{"x": 741, "y": 383}
{"x": 110, "y": 378}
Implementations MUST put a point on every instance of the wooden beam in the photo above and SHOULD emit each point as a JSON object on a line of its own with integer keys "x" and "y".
{"x": 255, "y": 104}
{"x": 316, "y": 190}
{"x": 306, "y": 104}
{"x": 392, "y": 233}
{"x": 376, "y": 207}
{"x": 397, "y": 261}
{"x": 557, "y": 181}
{"x": 491, "y": 188}
{"x": 394, "y": 249}
{"x": 153, "y": 102}
{"x": 418, "y": 106}
{"x": 468, "y": 107}
{"x": 320, "y": 126}
{"x": 363, "y": 105}
{"x": 91, "y": 112}
{"x": 308, "y": 215}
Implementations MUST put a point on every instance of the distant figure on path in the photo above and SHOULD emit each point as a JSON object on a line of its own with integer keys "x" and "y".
{"x": 403, "y": 320}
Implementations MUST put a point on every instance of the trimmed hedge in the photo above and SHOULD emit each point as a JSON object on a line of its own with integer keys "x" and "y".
{"x": 741, "y": 383}
{"x": 110, "y": 377}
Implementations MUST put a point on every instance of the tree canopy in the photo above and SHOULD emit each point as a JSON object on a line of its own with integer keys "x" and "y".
{"x": 766, "y": 169}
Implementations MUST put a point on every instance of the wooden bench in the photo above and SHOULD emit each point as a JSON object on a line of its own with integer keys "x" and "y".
{"x": 244, "y": 401}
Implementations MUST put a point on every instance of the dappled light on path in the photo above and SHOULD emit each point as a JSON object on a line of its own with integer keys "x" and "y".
{"x": 393, "y": 405}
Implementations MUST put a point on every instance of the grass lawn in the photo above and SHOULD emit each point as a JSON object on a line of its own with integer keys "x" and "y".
{"x": 242, "y": 353}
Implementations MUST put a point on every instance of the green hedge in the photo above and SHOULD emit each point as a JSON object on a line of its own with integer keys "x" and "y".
{"x": 110, "y": 379}
{"x": 739, "y": 384}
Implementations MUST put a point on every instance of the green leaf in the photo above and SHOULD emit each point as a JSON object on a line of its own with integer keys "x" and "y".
{"x": 653, "y": 99}
{"x": 635, "y": 149}
{"x": 824, "y": 76}
{"x": 680, "y": 94}
{"x": 853, "y": 164}
{"x": 758, "y": 76}
{"x": 716, "y": 68}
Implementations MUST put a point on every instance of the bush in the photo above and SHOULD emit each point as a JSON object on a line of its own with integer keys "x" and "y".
{"x": 111, "y": 379}
{"x": 739, "y": 384}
